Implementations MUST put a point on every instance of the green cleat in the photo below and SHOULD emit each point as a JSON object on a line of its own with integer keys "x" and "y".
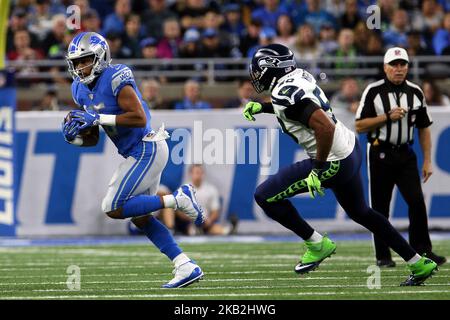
{"x": 421, "y": 270}
{"x": 315, "y": 254}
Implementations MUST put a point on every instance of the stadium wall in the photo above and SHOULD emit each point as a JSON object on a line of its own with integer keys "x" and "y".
{"x": 60, "y": 187}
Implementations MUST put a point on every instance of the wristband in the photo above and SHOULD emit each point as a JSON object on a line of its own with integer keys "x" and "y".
{"x": 107, "y": 119}
{"x": 78, "y": 141}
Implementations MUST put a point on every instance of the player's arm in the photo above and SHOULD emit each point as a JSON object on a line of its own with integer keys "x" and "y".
{"x": 134, "y": 115}
{"x": 423, "y": 123}
{"x": 369, "y": 124}
{"x": 324, "y": 132}
{"x": 307, "y": 112}
{"x": 128, "y": 101}
{"x": 425, "y": 143}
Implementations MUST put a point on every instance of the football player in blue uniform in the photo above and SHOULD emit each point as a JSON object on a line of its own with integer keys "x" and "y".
{"x": 303, "y": 111}
{"x": 110, "y": 98}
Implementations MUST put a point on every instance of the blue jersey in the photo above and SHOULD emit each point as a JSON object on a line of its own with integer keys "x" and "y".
{"x": 103, "y": 99}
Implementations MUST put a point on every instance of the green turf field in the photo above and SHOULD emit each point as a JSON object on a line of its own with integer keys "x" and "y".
{"x": 232, "y": 271}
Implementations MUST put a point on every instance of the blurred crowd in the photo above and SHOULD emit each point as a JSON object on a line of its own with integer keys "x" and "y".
{"x": 158, "y": 29}
{"x": 202, "y": 28}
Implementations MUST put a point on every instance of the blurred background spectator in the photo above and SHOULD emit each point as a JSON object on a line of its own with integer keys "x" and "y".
{"x": 266, "y": 37}
{"x": 441, "y": 39}
{"x": 169, "y": 45}
{"x": 306, "y": 46}
{"x": 347, "y": 97}
{"x": 346, "y": 49}
{"x": 49, "y": 101}
{"x": 396, "y": 35}
{"x": 285, "y": 31}
{"x": 209, "y": 198}
{"x": 118, "y": 50}
{"x": 269, "y": 13}
{"x": 250, "y": 37}
{"x": 115, "y": 22}
{"x": 153, "y": 18}
{"x": 132, "y": 35}
{"x": 350, "y": 18}
{"x": 233, "y": 24}
{"x": 433, "y": 94}
{"x": 245, "y": 93}
{"x": 315, "y": 16}
{"x": 90, "y": 21}
{"x": 208, "y": 29}
{"x": 192, "y": 100}
{"x": 151, "y": 93}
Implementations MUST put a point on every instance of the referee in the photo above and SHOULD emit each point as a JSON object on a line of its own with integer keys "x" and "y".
{"x": 389, "y": 111}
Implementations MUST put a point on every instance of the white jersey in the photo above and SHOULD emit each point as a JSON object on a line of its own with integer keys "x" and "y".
{"x": 290, "y": 94}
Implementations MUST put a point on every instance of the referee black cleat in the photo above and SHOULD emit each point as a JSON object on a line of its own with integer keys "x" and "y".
{"x": 421, "y": 271}
{"x": 386, "y": 263}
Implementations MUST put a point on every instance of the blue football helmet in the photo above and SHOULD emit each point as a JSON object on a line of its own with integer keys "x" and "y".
{"x": 269, "y": 64}
{"x": 88, "y": 44}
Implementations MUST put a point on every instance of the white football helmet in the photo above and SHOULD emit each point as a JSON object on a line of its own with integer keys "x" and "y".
{"x": 86, "y": 44}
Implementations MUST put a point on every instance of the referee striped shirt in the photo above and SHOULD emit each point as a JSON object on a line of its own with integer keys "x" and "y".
{"x": 382, "y": 96}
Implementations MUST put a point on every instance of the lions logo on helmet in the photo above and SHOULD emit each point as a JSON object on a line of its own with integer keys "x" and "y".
{"x": 84, "y": 45}
{"x": 269, "y": 64}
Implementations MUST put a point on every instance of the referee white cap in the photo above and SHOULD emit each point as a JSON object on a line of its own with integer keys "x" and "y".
{"x": 396, "y": 53}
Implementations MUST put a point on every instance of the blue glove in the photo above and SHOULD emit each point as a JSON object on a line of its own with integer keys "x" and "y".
{"x": 70, "y": 130}
{"x": 85, "y": 119}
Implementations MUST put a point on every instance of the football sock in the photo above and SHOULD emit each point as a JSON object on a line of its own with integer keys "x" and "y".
{"x": 414, "y": 259}
{"x": 162, "y": 238}
{"x": 141, "y": 205}
{"x": 169, "y": 201}
{"x": 316, "y": 237}
{"x": 180, "y": 259}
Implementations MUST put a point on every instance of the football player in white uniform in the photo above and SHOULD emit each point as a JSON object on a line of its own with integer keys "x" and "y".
{"x": 304, "y": 113}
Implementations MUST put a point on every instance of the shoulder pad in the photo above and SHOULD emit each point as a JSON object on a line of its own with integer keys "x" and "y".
{"x": 122, "y": 76}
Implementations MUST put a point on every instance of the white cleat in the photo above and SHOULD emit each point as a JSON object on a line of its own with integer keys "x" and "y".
{"x": 187, "y": 202}
{"x": 186, "y": 274}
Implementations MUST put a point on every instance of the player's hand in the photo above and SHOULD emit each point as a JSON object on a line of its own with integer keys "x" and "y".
{"x": 85, "y": 119}
{"x": 397, "y": 113}
{"x": 70, "y": 130}
{"x": 314, "y": 184}
{"x": 250, "y": 109}
{"x": 427, "y": 170}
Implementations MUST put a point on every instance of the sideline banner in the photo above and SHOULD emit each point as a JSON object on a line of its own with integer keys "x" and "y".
{"x": 7, "y": 178}
{"x": 61, "y": 186}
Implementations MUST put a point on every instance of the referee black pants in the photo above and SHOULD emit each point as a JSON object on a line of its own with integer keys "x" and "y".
{"x": 390, "y": 166}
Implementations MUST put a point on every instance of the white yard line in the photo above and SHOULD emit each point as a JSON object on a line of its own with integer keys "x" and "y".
{"x": 227, "y": 287}
{"x": 209, "y": 295}
{"x": 316, "y": 272}
{"x": 206, "y": 280}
